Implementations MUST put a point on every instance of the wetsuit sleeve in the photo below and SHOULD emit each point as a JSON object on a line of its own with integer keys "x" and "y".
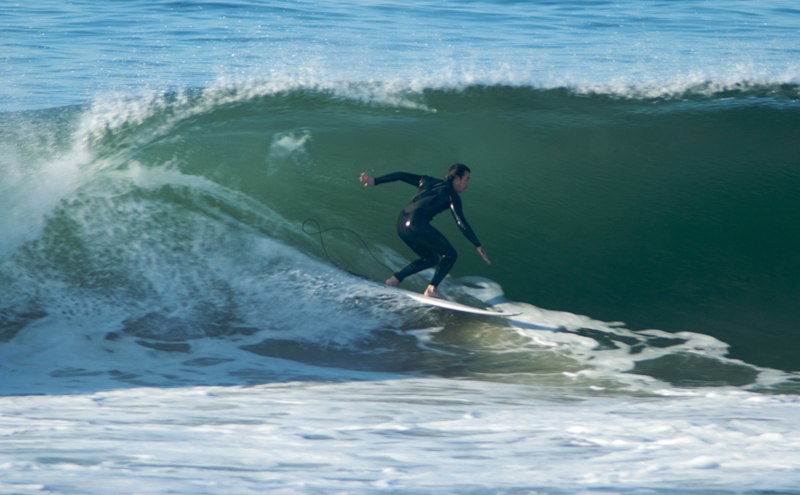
{"x": 455, "y": 207}
{"x": 412, "y": 179}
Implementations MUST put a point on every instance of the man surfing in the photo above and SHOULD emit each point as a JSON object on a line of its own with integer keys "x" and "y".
{"x": 413, "y": 225}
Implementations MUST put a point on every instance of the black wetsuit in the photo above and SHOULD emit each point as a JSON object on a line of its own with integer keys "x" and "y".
{"x": 413, "y": 224}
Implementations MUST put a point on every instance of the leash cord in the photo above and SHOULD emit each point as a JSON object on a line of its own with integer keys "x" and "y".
{"x": 320, "y": 231}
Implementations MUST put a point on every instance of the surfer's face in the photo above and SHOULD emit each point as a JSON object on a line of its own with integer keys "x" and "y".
{"x": 460, "y": 184}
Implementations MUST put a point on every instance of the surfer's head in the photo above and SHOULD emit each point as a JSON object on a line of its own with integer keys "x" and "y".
{"x": 458, "y": 175}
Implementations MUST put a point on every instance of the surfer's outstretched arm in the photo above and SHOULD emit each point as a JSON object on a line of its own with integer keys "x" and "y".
{"x": 412, "y": 179}
{"x": 461, "y": 221}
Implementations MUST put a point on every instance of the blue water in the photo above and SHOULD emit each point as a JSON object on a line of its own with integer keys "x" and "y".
{"x": 166, "y": 325}
{"x": 57, "y": 53}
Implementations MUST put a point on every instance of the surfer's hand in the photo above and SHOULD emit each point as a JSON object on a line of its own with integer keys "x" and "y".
{"x": 483, "y": 255}
{"x": 366, "y": 179}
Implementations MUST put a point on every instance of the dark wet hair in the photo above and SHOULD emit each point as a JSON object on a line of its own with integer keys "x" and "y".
{"x": 457, "y": 170}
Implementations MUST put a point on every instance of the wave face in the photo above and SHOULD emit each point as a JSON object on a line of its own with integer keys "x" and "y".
{"x": 172, "y": 224}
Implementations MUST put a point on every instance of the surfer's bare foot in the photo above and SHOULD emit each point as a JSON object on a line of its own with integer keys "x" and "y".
{"x": 393, "y": 282}
{"x": 432, "y": 292}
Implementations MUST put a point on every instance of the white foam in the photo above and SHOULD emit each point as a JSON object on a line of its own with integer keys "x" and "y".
{"x": 31, "y": 189}
{"x": 571, "y": 335}
{"x": 416, "y": 435}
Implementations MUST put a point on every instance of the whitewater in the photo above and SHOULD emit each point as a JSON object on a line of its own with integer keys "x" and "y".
{"x": 168, "y": 325}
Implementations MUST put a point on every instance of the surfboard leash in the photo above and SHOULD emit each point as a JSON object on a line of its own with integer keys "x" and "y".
{"x": 321, "y": 231}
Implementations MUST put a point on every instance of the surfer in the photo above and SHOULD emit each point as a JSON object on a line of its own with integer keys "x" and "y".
{"x": 413, "y": 224}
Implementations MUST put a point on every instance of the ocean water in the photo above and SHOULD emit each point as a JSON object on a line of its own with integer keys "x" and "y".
{"x": 168, "y": 324}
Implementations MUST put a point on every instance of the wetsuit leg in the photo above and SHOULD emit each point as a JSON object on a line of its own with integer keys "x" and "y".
{"x": 428, "y": 259}
{"x": 449, "y": 257}
{"x": 429, "y": 243}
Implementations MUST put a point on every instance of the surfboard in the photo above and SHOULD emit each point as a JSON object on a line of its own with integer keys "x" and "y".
{"x": 453, "y": 306}
{"x": 440, "y": 303}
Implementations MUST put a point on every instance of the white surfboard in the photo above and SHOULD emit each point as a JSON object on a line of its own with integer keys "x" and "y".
{"x": 454, "y": 306}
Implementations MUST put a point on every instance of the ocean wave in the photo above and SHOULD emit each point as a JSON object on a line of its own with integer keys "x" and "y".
{"x": 173, "y": 219}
